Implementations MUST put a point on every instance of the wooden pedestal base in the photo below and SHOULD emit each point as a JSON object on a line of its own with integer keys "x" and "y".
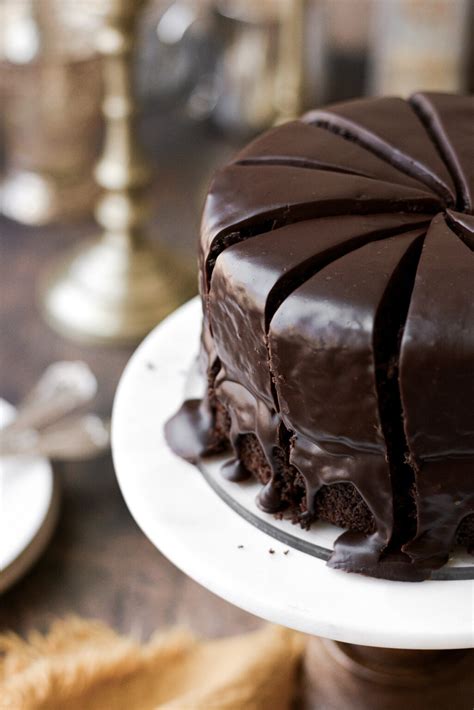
{"x": 341, "y": 676}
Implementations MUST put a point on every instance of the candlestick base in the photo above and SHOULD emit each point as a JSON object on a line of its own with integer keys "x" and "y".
{"x": 108, "y": 292}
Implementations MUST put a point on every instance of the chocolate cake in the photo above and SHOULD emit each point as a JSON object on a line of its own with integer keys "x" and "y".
{"x": 337, "y": 282}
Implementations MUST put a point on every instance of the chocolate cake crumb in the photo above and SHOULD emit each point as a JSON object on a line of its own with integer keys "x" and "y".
{"x": 340, "y": 503}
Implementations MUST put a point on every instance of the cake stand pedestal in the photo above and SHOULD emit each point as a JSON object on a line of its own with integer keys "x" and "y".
{"x": 338, "y": 676}
{"x": 394, "y": 644}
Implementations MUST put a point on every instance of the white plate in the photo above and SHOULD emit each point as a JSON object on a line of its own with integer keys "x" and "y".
{"x": 29, "y": 506}
{"x": 215, "y": 545}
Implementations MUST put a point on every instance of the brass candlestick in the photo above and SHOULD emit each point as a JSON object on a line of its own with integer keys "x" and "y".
{"x": 116, "y": 288}
{"x": 289, "y": 78}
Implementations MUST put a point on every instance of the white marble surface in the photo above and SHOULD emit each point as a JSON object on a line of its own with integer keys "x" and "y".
{"x": 183, "y": 517}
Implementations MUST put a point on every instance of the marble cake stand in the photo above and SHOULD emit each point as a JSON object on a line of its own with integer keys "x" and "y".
{"x": 391, "y": 642}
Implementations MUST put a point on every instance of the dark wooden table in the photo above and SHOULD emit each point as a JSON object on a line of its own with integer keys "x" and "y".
{"x": 99, "y": 564}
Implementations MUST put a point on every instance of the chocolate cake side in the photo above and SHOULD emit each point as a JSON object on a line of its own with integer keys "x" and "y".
{"x": 338, "y": 338}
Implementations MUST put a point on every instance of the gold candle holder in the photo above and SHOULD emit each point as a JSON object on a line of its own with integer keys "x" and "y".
{"x": 289, "y": 77}
{"x": 116, "y": 288}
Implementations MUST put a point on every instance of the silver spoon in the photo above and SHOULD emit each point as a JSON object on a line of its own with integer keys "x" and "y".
{"x": 63, "y": 387}
{"x": 75, "y": 438}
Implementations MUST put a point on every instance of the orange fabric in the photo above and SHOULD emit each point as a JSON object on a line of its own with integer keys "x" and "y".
{"x": 83, "y": 664}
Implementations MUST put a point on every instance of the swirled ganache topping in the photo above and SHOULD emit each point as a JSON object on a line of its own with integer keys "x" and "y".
{"x": 336, "y": 274}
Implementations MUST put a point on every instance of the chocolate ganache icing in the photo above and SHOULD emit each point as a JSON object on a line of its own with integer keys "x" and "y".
{"x": 336, "y": 276}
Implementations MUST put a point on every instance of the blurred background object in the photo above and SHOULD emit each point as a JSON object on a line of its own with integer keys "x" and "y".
{"x": 116, "y": 288}
{"x": 46, "y": 422}
{"x": 52, "y": 90}
{"x": 257, "y": 75}
{"x": 347, "y": 30}
{"x": 239, "y": 95}
{"x": 420, "y": 44}
{"x": 49, "y": 424}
